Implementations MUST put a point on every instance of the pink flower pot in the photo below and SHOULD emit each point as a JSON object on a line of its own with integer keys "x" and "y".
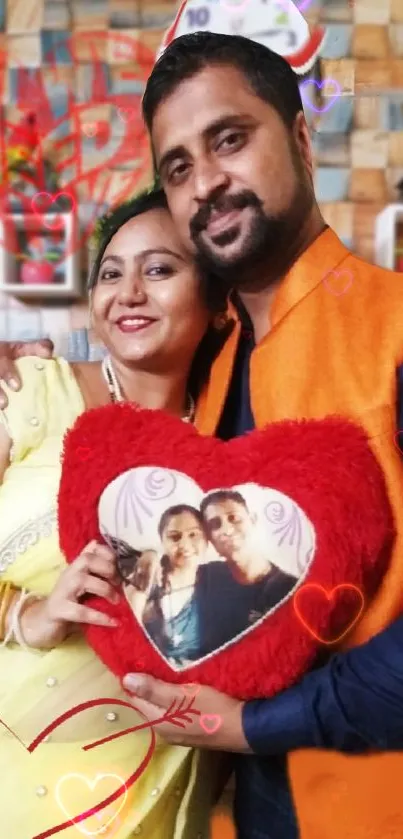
{"x": 37, "y": 273}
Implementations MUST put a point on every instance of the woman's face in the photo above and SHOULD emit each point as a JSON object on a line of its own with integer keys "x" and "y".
{"x": 183, "y": 540}
{"x": 146, "y": 305}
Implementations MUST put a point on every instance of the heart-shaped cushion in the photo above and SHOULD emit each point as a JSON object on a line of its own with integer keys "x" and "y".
{"x": 239, "y": 561}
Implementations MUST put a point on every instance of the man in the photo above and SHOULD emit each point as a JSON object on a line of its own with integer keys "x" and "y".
{"x": 232, "y": 149}
{"x": 253, "y": 584}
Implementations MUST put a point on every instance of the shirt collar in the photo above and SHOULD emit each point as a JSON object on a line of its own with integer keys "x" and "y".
{"x": 322, "y": 256}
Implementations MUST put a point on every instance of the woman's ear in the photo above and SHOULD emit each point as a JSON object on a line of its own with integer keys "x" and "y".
{"x": 90, "y": 310}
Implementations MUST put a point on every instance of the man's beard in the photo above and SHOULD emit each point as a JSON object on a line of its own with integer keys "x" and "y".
{"x": 268, "y": 244}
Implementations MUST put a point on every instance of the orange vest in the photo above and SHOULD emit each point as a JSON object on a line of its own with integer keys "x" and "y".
{"x": 329, "y": 352}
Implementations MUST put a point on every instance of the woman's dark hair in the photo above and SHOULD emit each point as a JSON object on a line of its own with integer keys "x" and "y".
{"x": 211, "y": 287}
{"x": 176, "y": 510}
{"x": 268, "y": 74}
{"x": 110, "y": 223}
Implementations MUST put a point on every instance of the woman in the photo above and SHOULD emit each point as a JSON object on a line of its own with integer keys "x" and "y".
{"x": 175, "y": 628}
{"x": 150, "y": 308}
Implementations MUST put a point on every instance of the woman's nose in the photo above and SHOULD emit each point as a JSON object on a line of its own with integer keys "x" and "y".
{"x": 185, "y": 544}
{"x": 131, "y": 291}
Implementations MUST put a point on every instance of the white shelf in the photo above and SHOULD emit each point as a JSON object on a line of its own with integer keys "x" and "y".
{"x": 386, "y": 235}
{"x": 14, "y": 224}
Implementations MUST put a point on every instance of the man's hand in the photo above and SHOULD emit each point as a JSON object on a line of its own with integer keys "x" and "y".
{"x": 9, "y": 352}
{"x": 201, "y": 716}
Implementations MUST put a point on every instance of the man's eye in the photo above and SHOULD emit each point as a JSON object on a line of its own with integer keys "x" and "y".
{"x": 177, "y": 172}
{"x": 232, "y": 141}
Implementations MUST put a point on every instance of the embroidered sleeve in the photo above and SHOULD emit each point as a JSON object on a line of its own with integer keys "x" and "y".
{"x": 25, "y": 416}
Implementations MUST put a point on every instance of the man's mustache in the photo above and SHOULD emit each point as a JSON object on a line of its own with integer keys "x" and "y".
{"x": 224, "y": 204}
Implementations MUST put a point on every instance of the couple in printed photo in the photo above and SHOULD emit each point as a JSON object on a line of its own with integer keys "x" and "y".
{"x": 212, "y": 576}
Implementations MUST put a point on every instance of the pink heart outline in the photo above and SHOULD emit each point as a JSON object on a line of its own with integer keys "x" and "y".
{"x": 93, "y": 703}
{"x": 191, "y": 689}
{"x": 205, "y": 720}
{"x": 337, "y": 274}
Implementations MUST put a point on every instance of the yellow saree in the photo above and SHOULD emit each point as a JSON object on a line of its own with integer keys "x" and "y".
{"x": 58, "y": 781}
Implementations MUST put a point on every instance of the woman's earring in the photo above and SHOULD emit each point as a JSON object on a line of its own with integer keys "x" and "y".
{"x": 220, "y": 321}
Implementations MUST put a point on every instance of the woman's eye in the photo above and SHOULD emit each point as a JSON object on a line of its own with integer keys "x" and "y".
{"x": 111, "y": 274}
{"x": 159, "y": 271}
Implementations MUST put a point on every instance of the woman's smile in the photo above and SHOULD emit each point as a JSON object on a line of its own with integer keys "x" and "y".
{"x": 135, "y": 323}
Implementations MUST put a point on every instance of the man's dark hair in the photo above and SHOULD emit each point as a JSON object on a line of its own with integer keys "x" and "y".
{"x": 267, "y": 73}
{"x": 222, "y": 495}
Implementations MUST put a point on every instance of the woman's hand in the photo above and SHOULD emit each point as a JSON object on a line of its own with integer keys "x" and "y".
{"x": 9, "y": 352}
{"x": 47, "y": 622}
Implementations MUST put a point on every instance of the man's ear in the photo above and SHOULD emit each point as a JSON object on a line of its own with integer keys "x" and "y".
{"x": 303, "y": 141}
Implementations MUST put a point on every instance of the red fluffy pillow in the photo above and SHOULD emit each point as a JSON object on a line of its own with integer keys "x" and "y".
{"x": 239, "y": 561}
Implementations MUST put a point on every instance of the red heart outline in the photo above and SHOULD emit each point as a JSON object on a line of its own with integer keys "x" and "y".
{"x": 41, "y": 214}
{"x": 93, "y": 703}
{"x": 329, "y": 594}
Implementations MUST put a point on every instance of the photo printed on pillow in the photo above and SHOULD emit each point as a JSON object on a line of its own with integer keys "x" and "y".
{"x": 201, "y": 569}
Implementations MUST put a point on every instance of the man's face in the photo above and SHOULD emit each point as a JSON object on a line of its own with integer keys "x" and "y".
{"x": 237, "y": 181}
{"x": 231, "y": 529}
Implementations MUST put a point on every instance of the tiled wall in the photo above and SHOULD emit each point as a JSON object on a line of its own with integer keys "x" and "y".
{"x": 358, "y": 142}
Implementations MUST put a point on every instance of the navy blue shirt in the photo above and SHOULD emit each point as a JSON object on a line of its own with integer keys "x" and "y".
{"x": 355, "y": 701}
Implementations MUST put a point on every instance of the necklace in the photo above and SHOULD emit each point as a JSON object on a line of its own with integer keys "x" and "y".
{"x": 115, "y": 391}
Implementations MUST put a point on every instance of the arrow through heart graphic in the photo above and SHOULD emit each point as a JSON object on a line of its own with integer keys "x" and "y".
{"x": 180, "y": 716}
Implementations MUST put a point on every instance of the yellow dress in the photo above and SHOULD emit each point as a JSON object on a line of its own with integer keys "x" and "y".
{"x": 58, "y": 781}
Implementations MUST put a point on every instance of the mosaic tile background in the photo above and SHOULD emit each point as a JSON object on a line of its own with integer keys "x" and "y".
{"x": 358, "y": 143}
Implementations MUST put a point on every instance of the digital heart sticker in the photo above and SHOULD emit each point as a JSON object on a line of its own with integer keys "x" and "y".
{"x": 191, "y": 690}
{"x": 338, "y": 282}
{"x": 210, "y": 723}
{"x": 91, "y": 784}
{"x": 304, "y": 88}
{"x": 311, "y": 595}
{"x": 42, "y": 204}
{"x": 124, "y": 786}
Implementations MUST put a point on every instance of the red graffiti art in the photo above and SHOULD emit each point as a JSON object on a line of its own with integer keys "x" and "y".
{"x": 98, "y": 141}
